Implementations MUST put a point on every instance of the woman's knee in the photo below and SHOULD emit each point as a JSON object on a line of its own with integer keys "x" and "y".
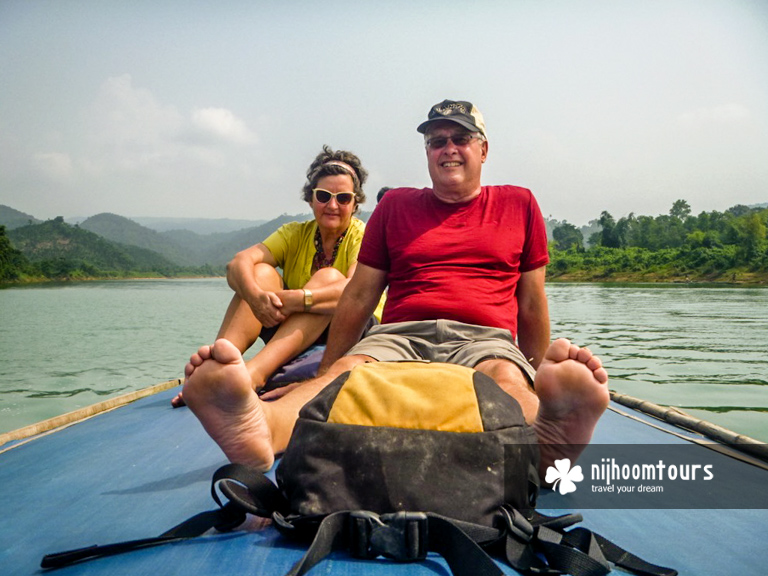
{"x": 324, "y": 277}
{"x": 267, "y": 276}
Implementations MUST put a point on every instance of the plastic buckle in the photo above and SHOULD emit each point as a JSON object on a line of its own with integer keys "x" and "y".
{"x": 517, "y": 524}
{"x": 400, "y": 536}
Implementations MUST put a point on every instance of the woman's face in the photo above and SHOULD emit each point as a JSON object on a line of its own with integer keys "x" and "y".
{"x": 332, "y": 216}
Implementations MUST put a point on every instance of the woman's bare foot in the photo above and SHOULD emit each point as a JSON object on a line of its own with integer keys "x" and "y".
{"x": 218, "y": 389}
{"x": 178, "y": 401}
{"x": 571, "y": 385}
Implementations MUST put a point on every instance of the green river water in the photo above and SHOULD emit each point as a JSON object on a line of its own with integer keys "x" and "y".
{"x": 702, "y": 348}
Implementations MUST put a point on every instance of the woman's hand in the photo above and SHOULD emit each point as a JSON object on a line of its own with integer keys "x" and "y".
{"x": 268, "y": 309}
{"x": 293, "y": 301}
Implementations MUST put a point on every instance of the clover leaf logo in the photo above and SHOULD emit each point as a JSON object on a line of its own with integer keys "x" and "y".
{"x": 562, "y": 476}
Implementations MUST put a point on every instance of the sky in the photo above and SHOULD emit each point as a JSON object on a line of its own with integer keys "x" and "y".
{"x": 186, "y": 108}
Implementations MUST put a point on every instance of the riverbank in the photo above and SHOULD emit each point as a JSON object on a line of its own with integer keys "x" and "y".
{"x": 734, "y": 277}
{"x": 43, "y": 281}
{"x": 723, "y": 265}
{"x": 730, "y": 278}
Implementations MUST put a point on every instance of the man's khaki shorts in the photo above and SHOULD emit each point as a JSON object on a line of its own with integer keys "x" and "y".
{"x": 441, "y": 341}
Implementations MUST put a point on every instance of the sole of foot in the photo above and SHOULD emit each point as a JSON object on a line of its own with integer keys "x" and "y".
{"x": 572, "y": 387}
{"x": 219, "y": 391}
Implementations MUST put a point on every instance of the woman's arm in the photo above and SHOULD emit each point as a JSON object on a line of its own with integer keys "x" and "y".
{"x": 242, "y": 278}
{"x": 326, "y": 286}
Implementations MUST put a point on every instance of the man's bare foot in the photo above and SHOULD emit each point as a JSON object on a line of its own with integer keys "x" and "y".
{"x": 257, "y": 380}
{"x": 218, "y": 389}
{"x": 571, "y": 385}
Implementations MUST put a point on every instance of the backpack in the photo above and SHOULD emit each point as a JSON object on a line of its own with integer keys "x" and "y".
{"x": 401, "y": 459}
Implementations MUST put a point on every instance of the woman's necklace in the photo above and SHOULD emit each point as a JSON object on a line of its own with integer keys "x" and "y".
{"x": 320, "y": 261}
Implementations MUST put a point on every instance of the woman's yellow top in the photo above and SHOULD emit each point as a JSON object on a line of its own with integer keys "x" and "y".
{"x": 293, "y": 248}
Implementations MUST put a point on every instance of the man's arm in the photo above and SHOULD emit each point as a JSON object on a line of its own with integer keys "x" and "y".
{"x": 532, "y": 315}
{"x": 357, "y": 303}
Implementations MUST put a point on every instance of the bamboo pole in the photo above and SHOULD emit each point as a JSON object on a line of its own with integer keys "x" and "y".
{"x": 84, "y": 413}
{"x": 679, "y": 418}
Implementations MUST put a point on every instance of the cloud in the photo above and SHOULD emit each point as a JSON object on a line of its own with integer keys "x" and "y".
{"x": 130, "y": 130}
{"x": 54, "y": 165}
{"x": 129, "y": 152}
{"x": 716, "y": 115}
{"x": 223, "y": 124}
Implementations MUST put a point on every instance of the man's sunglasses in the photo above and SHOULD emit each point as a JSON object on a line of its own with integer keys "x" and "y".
{"x": 439, "y": 142}
{"x": 323, "y": 196}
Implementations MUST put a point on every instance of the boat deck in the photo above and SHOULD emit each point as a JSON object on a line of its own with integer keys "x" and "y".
{"x": 136, "y": 471}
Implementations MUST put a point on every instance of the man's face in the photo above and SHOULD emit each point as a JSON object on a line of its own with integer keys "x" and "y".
{"x": 455, "y": 168}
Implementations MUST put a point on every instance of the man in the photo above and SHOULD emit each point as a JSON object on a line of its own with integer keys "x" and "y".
{"x": 465, "y": 267}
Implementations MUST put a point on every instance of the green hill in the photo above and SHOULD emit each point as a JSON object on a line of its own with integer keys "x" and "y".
{"x": 124, "y": 231}
{"x": 227, "y": 245}
{"x": 201, "y": 226}
{"x": 13, "y": 264}
{"x": 60, "y": 250}
{"x": 11, "y": 218}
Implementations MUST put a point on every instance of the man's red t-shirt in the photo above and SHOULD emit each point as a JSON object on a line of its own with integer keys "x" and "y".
{"x": 455, "y": 261}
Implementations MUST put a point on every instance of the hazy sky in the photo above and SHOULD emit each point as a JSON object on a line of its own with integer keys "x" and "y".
{"x": 215, "y": 109}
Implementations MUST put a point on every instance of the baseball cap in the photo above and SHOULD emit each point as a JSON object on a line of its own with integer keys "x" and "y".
{"x": 463, "y": 113}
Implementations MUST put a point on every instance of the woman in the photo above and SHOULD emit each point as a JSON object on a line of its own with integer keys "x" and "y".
{"x": 318, "y": 257}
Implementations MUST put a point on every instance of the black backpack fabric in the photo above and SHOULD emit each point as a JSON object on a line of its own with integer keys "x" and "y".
{"x": 389, "y": 437}
{"x": 399, "y": 460}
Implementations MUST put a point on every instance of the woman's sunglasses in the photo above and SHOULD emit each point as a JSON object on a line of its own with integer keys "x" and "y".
{"x": 323, "y": 196}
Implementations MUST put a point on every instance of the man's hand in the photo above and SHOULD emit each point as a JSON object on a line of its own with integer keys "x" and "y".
{"x": 276, "y": 393}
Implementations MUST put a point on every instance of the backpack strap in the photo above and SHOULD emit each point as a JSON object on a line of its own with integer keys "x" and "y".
{"x": 541, "y": 547}
{"x": 247, "y": 491}
{"x": 578, "y": 551}
{"x": 223, "y": 519}
{"x": 402, "y": 536}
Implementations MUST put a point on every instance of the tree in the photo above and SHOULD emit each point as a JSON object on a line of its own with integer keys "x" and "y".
{"x": 568, "y": 236}
{"x": 608, "y": 236}
{"x": 752, "y": 233}
{"x": 680, "y": 210}
{"x": 12, "y": 262}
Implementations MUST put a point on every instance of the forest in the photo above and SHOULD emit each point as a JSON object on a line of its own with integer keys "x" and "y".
{"x": 730, "y": 246}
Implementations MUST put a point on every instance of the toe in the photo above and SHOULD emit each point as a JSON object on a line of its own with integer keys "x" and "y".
{"x": 225, "y": 352}
{"x": 594, "y": 363}
{"x": 559, "y": 350}
{"x": 601, "y": 375}
{"x": 584, "y": 355}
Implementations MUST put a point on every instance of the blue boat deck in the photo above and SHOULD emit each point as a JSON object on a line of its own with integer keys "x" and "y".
{"x": 136, "y": 471}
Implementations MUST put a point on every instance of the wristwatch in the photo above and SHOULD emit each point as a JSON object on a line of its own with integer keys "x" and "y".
{"x": 308, "y": 301}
